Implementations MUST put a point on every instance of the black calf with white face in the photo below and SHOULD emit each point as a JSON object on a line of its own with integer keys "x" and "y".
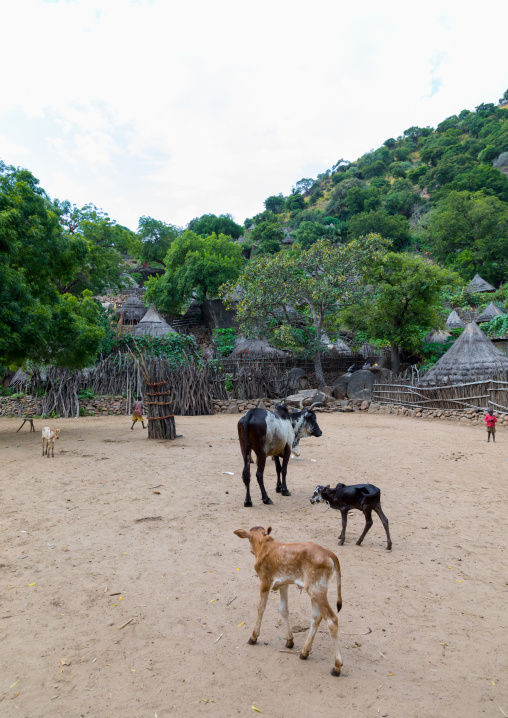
{"x": 364, "y": 497}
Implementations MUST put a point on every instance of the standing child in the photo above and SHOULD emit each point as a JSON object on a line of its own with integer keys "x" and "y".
{"x": 137, "y": 413}
{"x": 491, "y": 424}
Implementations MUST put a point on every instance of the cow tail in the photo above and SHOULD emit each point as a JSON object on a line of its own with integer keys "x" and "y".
{"x": 337, "y": 568}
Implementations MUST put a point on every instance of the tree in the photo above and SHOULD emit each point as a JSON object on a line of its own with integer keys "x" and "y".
{"x": 36, "y": 256}
{"x": 195, "y": 267}
{"x": 156, "y": 238}
{"x": 393, "y": 227}
{"x": 275, "y": 203}
{"x": 404, "y": 303}
{"x": 309, "y": 232}
{"x": 209, "y": 224}
{"x": 295, "y": 202}
{"x": 469, "y": 232}
{"x": 93, "y": 248}
{"x": 269, "y": 236}
{"x": 292, "y": 297}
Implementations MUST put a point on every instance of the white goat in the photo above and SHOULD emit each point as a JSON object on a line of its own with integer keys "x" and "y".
{"x": 48, "y": 440}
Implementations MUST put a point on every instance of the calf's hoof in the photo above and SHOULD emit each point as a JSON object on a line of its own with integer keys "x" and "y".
{"x": 335, "y": 671}
{"x": 247, "y": 504}
{"x": 267, "y": 501}
{"x": 290, "y": 643}
{"x": 389, "y": 548}
{"x": 303, "y": 656}
{"x": 286, "y": 492}
{"x": 341, "y": 543}
{"x": 278, "y": 489}
{"x": 252, "y": 641}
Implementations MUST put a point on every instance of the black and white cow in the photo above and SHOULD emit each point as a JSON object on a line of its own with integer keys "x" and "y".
{"x": 272, "y": 434}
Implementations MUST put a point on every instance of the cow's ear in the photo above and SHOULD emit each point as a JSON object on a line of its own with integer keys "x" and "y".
{"x": 242, "y": 533}
{"x": 327, "y": 486}
{"x": 268, "y": 531}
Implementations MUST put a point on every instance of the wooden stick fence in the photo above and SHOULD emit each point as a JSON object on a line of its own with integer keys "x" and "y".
{"x": 481, "y": 394}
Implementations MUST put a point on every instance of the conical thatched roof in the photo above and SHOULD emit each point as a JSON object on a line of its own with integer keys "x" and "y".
{"x": 454, "y": 321}
{"x": 153, "y": 324}
{"x": 473, "y": 356}
{"x": 490, "y": 312}
{"x": 342, "y": 348}
{"x": 133, "y": 310}
{"x": 437, "y": 336}
{"x": 477, "y": 284}
{"x": 254, "y": 347}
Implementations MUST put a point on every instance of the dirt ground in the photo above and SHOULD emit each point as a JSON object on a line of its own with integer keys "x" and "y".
{"x": 423, "y": 628}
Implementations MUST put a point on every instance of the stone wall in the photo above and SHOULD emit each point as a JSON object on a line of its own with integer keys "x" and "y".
{"x": 471, "y": 417}
{"x": 107, "y": 405}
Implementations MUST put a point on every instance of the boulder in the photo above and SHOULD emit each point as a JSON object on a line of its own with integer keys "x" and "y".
{"x": 233, "y": 409}
{"x": 297, "y": 379}
{"x": 309, "y": 396}
{"x": 339, "y": 386}
{"x": 364, "y": 405}
{"x": 360, "y": 384}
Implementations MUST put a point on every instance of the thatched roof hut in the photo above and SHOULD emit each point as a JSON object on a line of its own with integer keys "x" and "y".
{"x": 454, "y": 321}
{"x": 341, "y": 348}
{"x": 152, "y": 324}
{"x": 437, "y": 336}
{"x": 477, "y": 284}
{"x": 490, "y": 312}
{"x": 133, "y": 310}
{"x": 472, "y": 356}
{"x": 254, "y": 347}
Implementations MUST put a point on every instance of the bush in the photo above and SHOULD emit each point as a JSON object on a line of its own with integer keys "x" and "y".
{"x": 86, "y": 394}
{"x": 82, "y": 411}
{"x": 224, "y": 340}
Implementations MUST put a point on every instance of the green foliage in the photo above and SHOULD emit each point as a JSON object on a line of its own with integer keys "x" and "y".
{"x": 405, "y": 301}
{"x": 292, "y": 297}
{"x": 6, "y": 391}
{"x": 309, "y": 232}
{"x": 497, "y": 327}
{"x": 138, "y": 277}
{"x": 394, "y": 228}
{"x": 156, "y": 238}
{"x": 195, "y": 266}
{"x": 275, "y": 203}
{"x": 433, "y": 351}
{"x": 175, "y": 348}
{"x": 469, "y": 233}
{"x": 224, "y": 340}
{"x": 228, "y": 383}
{"x": 82, "y": 411}
{"x": 86, "y": 394}
{"x": 269, "y": 235}
{"x": 210, "y": 224}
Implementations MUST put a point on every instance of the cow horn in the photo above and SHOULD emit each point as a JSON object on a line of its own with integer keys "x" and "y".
{"x": 301, "y": 404}
{"x": 316, "y": 403}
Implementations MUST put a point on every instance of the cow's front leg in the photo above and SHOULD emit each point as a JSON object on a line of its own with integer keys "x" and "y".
{"x": 259, "y": 477}
{"x": 342, "y": 536}
{"x": 278, "y": 487}
{"x": 264, "y": 591}
{"x": 284, "y": 612}
{"x": 285, "y": 461}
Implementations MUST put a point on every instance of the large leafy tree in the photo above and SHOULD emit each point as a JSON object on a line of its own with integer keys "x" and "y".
{"x": 209, "y": 224}
{"x": 393, "y": 227}
{"x": 292, "y": 297}
{"x": 469, "y": 232}
{"x": 36, "y": 257}
{"x": 156, "y": 238}
{"x": 94, "y": 245}
{"x": 404, "y": 302}
{"x": 195, "y": 267}
{"x": 268, "y": 236}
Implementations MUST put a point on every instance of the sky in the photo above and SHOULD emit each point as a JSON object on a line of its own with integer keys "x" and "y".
{"x": 178, "y": 109}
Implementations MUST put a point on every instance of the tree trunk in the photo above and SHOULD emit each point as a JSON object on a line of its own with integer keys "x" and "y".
{"x": 395, "y": 357}
{"x": 319, "y": 370}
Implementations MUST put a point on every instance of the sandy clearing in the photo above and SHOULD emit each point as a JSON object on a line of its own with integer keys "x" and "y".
{"x": 436, "y": 604}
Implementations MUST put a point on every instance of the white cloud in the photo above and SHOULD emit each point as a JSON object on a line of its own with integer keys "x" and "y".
{"x": 173, "y": 109}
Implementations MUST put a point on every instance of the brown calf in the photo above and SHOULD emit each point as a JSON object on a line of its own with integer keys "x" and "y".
{"x": 308, "y": 566}
{"x": 48, "y": 440}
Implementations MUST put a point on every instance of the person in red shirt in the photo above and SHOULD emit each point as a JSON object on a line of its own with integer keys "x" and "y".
{"x": 491, "y": 424}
